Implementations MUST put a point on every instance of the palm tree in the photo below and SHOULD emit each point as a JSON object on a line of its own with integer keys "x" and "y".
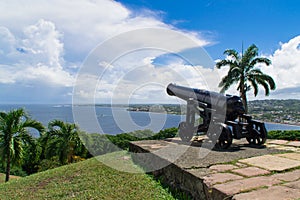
{"x": 13, "y": 135}
{"x": 63, "y": 140}
{"x": 243, "y": 72}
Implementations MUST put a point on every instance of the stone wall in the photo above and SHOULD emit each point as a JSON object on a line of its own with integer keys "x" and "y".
{"x": 171, "y": 174}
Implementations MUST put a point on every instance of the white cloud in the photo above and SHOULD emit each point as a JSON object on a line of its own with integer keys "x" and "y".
{"x": 45, "y": 42}
{"x": 83, "y": 23}
{"x": 148, "y": 82}
{"x": 285, "y": 70}
{"x": 7, "y": 41}
{"x": 134, "y": 66}
{"x": 42, "y": 43}
{"x": 286, "y": 64}
{"x": 37, "y": 58}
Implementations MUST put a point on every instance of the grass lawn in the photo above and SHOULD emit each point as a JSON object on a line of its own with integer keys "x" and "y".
{"x": 11, "y": 177}
{"x": 88, "y": 179}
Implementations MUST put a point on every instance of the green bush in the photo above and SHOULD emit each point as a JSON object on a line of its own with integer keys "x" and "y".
{"x": 284, "y": 135}
{"x": 15, "y": 170}
{"x": 99, "y": 144}
{"x": 166, "y": 133}
{"x": 49, "y": 164}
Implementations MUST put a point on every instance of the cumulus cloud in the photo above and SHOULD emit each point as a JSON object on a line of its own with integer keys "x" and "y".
{"x": 286, "y": 64}
{"x": 83, "y": 23}
{"x": 148, "y": 82}
{"x": 44, "y": 43}
{"x": 134, "y": 66}
{"x": 285, "y": 69}
{"x": 36, "y": 58}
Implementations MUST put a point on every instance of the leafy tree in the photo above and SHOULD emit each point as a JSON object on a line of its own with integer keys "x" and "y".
{"x": 243, "y": 72}
{"x": 14, "y": 134}
{"x": 63, "y": 140}
{"x": 32, "y": 155}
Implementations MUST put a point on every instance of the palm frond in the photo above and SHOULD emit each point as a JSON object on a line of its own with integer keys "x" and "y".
{"x": 251, "y": 52}
{"x": 233, "y": 53}
{"x": 265, "y": 85}
{"x": 270, "y": 81}
{"x": 56, "y": 123}
{"x": 224, "y": 63}
{"x": 254, "y": 85}
{"x": 265, "y": 61}
{"x": 254, "y": 72}
{"x": 17, "y": 150}
{"x": 29, "y": 123}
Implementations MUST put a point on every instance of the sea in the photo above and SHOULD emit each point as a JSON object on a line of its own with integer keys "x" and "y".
{"x": 110, "y": 120}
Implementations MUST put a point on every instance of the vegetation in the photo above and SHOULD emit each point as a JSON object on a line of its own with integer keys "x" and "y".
{"x": 285, "y": 135}
{"x": 2, "y": 177}
{"x": 14, "y": 136}
{"x": 100, "y": 144}
{"x": 275, "y": 110}
{"x": 62, "y": 143}
{"x": 270, "y": 110}
{"x": 165, "y": 108}
{"x": 243, "y": 72}
{"x": 89, "y": 179}
{"x": 63, "y": 139}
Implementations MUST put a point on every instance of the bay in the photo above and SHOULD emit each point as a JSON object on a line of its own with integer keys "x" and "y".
{"x": 112, "y": 120}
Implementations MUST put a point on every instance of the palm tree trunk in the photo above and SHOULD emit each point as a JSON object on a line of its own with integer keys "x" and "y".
{"x": 245, "y": 104}
{"x": 243, "y": 93}
{"x": 244, "y": 100}
{"x": 7, "y": 173}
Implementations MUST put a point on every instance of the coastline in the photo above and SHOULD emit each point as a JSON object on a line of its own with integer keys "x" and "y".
{"x": 297, "y": 124}
{"x": 290, "y": 124}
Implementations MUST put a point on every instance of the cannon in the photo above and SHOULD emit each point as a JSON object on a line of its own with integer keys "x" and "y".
{"x": 221, "y": 117}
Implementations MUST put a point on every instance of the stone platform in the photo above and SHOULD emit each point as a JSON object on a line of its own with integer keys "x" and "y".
{"x": 240, "y": 172}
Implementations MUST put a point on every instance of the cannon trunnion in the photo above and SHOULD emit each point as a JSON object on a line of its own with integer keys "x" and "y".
{"x": 221, "y": 117}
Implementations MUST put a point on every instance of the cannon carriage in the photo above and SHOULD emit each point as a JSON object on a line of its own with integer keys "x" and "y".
{"x": 221, "y": 117}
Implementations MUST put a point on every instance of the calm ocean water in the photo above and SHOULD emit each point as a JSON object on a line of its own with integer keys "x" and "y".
{"x": 105, "y": 120}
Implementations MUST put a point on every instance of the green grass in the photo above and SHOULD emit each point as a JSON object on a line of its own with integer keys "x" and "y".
{"x": 88, "y": 179}
{"x": 2, "y": 177}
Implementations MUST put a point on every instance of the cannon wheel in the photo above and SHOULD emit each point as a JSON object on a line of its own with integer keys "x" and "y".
{"x": 185, "y": 132}
{"x": 221, "y": 135}
{"x": 225, "y": 139}
{"x": 256, "y": 136}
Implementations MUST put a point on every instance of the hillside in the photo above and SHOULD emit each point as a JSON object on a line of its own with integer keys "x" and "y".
{"x": 271, "y": 110}
{"x": 2, "y": 177}
{"x": 276, "y": 110}
{"x": 88, "y": 179}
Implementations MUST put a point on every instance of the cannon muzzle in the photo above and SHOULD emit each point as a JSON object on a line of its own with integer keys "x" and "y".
{"x": 230, "y": 105}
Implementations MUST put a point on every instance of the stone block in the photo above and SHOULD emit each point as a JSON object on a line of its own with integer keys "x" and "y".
{"x": 293, "y": 156}
{"x": 295, "y": 185}
{"x": 294, "y": 143}
{"x": 288, "y": 176}
{"x": 212, "y": 179}
{"x": 279, "y": 142}
{"x": 222, "y": 168}
{"x": 274, "y": 193}
{"x": 272, "y": 162}
{"x": 237, "y": 186}
{"x": 251, "y": 171}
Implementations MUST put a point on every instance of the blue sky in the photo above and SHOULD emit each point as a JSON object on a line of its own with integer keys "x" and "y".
{"x": 229, "y": 23}
{"x": 54, "y": 52}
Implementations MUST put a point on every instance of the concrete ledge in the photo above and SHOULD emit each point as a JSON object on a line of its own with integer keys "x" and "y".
{"x": 213, "y": 174}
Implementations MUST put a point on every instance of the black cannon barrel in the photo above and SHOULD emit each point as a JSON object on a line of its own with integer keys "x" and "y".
{"x": 231, "y": 105}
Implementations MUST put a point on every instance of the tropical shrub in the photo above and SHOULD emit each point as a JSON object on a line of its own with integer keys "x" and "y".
{"x": 285, "y": 135}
